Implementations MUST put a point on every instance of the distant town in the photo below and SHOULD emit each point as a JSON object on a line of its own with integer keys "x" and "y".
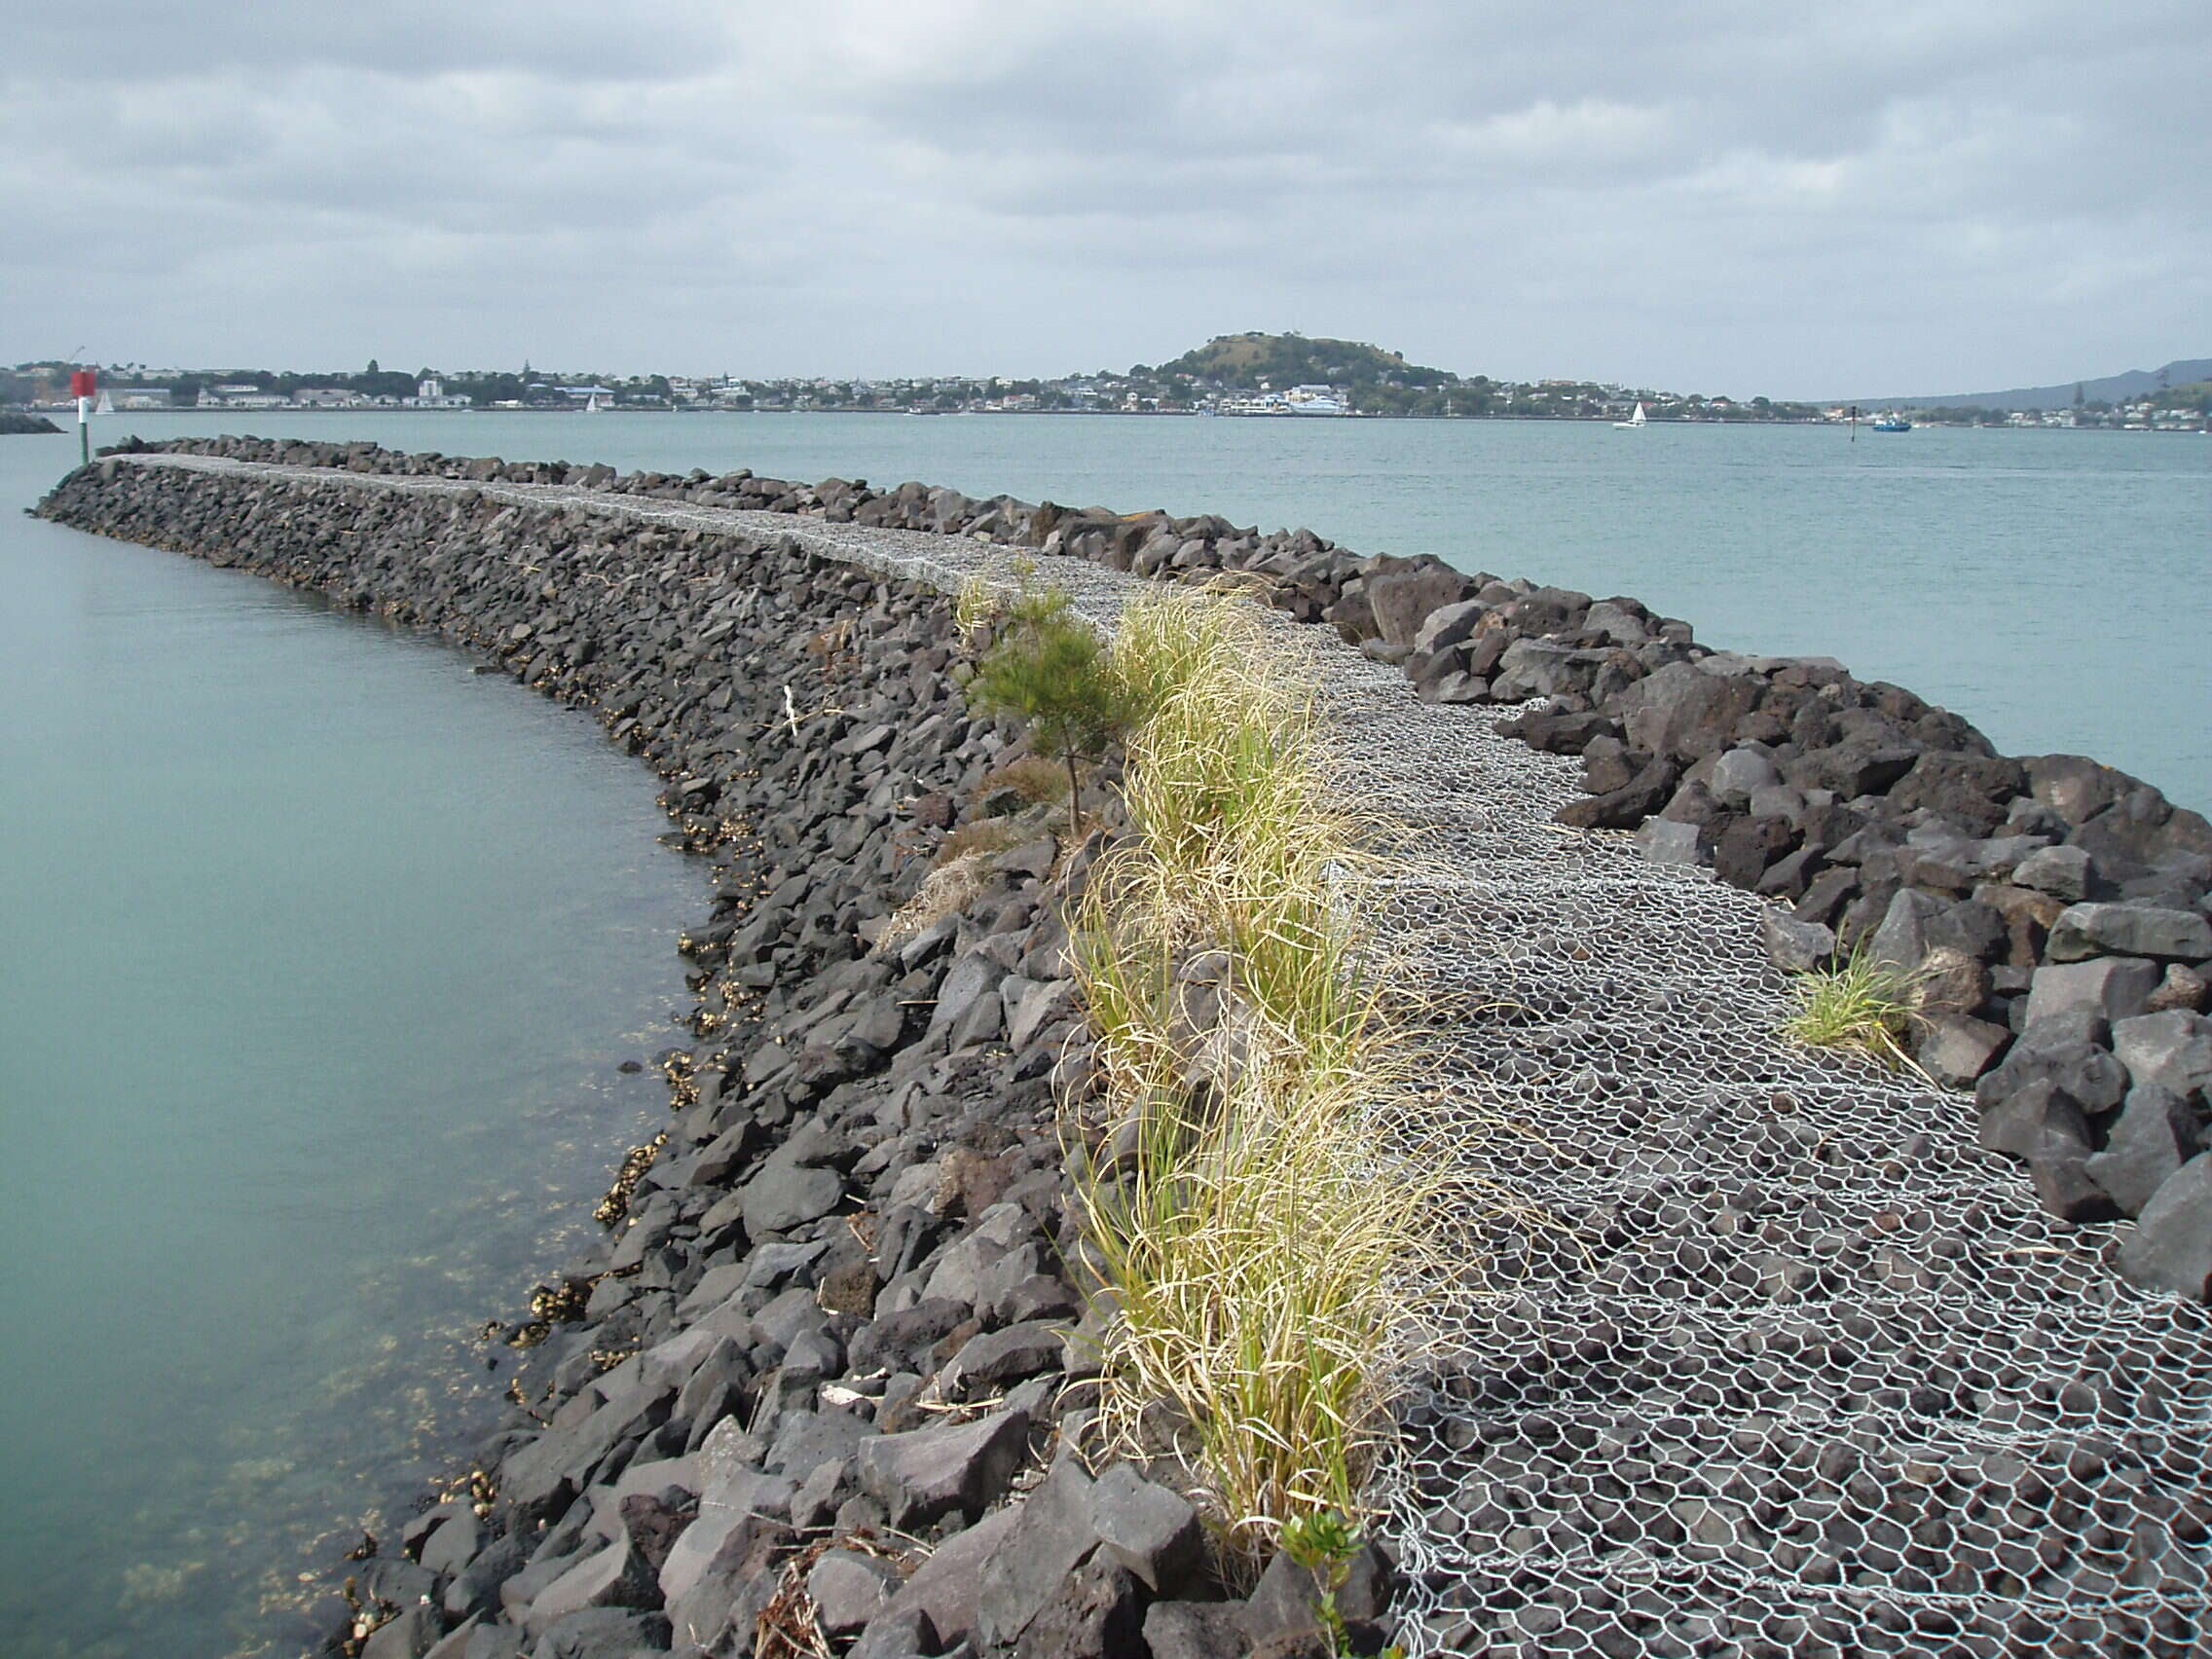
{"x": 1248, "y": 374}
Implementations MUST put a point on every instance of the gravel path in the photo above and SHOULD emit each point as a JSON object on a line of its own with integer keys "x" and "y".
{"x": 1783, "y": 1365}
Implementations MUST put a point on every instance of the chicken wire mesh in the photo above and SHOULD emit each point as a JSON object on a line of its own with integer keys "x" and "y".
{"x": 1766, "y": 1358}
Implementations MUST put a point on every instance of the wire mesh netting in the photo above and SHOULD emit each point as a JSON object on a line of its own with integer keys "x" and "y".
{"x": 1765, "y": 1358}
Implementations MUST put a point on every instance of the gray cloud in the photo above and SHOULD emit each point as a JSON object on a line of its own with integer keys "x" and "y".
{"x": 1712, "y": 197}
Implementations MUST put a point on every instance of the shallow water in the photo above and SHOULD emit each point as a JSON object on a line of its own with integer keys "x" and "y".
{"x": 319, "y": 955}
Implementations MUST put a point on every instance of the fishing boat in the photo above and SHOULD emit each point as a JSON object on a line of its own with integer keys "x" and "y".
{"x": 1892, "y": 424}
{"x": 1635, "y": 422}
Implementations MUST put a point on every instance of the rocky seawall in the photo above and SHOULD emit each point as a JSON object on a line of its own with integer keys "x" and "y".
{"x": 831, "y": 1330}
{"x": 2058, "y": 912}
{"x": 15, "y": 424}
{"x": 831, "y": 1333}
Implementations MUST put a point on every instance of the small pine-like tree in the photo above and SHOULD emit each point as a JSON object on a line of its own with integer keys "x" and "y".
{"x": 1050, "y": 671}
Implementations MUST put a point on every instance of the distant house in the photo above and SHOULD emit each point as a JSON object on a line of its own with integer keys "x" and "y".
{"x": 431, "y": 394}
{"x": 245, "y": 397}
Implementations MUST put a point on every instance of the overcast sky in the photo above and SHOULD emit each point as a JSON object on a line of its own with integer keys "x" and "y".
{"x": 1785, "y": 198}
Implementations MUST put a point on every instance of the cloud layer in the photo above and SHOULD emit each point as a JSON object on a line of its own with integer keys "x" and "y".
{"x": 1716, "y": 197}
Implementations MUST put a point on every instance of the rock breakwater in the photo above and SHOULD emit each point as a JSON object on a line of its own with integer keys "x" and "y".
{"x": 1790, "y": 1367}
{"x": 2058, "y": 912}
{"x": 824, "y": 1378}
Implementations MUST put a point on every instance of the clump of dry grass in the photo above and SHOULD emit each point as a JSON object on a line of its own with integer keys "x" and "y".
{"x": 1265, "y": 1244}
{"x": 960, "y": 870}
{"x": 1037, "y": 780}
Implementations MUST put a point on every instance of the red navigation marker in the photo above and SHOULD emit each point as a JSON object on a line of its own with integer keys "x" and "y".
{"x": 84, "y": 382}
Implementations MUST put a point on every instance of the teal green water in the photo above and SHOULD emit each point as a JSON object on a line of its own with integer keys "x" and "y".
{"x": 316, "y": 952}
{"x": 317, "y": 956}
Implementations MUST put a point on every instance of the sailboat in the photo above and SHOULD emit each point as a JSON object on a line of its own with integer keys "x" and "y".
{"x": 591, "y": 405}
{"x": 1635, "y": 422}
{"x": 106, "y": 405}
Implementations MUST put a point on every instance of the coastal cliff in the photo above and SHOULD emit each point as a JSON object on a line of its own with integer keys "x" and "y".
{"x": 831, "y": 1329}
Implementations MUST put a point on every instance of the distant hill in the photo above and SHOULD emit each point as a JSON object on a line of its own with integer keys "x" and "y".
{"x": 2111, "y": 388}
{"x": 1242, "y": 361}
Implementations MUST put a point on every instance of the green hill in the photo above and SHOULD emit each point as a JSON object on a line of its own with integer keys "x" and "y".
{"x": 1245, "y": 362}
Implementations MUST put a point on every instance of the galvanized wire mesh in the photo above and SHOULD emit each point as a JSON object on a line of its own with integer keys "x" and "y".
{"x": 1784, "y": 1366}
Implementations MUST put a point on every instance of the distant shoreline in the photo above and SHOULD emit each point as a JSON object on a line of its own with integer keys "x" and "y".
{"x": 1119, "y": 414}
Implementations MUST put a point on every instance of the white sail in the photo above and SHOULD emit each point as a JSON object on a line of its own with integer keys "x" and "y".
{"x": 105, "y": 406}
{"x": 1634, "y": 423}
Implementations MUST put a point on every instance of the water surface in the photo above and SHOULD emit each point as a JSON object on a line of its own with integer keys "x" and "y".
{"x": 317, "y": 956}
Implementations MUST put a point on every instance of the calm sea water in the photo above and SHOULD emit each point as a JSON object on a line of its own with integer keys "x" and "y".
{"x": 2054, "y": 587}
{"x": 319, "y": 951}
{"x": 317, "y": 957}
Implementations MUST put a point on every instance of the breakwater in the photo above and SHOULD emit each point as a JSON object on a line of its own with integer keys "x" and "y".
{"x": 1813, "y": 1258}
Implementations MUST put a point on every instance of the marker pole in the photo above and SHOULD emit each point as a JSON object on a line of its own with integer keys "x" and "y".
{"x": 83, "y": 383}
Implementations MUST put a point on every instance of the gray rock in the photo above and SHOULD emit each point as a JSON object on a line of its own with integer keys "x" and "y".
{"x": 2171, "y": 1246}
{"x": 1955, "y": 1049}
{"x": 2154, "y": 1135}
{"x": 734, "y": 1506}
{"x": 850, "y": 1589}
{"x": 1739, "y": 775}
{"x": 966, "y": 984}
{"x": 2034, "y": 1122}
{"x": 1197, "y": 1630}
{"x": 1679, "y": 711}
{"x": 2066, "y": 1189}
{"x": 454, "y": 1544}
{"x": 1096, "y": 1612}
{"x": 2089, "y": 1077}
{"x": 1449, "y": 625}
{"x": 2172, "y": 1050}
{"x": 2119, "y": 987}
{"x": 1664, "y": 841}
{"x": 905, "y": 1634}
{"x": 1003, "y": 1356}
{"x": 1793, "y": 946}
{"x": 494, "y": 1642}
{"x": 2085, "y": 931}
{"x": 1053, "y": 1537}
{"x": 475, "y": 1588}
{"x": 410, "y": 1634}
{"x": 944, "y": 1587}
{"x": 455, "y": 1643}
{"x": 1401, "y": 600}
{"x": 927, "y": 1473}
{"x": 603, "y": 1633}
{"x": 2182, "y": 988}
{"x": 1536, "y": 668}
{"x": 807, "y": 1438}
{"x": 2063, "y": 872}
{"x": 1152, "y": 1532}
{"x": 612, "y": 1577}
{"x": 1902, "y": 941}
{"x": 2074, "y": 1028}
{"x": 785, "y": 1195}
{"x": 535, "y": 1477}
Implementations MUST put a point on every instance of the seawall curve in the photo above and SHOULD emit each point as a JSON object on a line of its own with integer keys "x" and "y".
{"x": 1805, "y": 1372}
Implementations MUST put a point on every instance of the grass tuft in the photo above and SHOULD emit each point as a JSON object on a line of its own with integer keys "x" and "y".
{"x": 1860, "y": 1003}
{"x": 1261, "y": 1226}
